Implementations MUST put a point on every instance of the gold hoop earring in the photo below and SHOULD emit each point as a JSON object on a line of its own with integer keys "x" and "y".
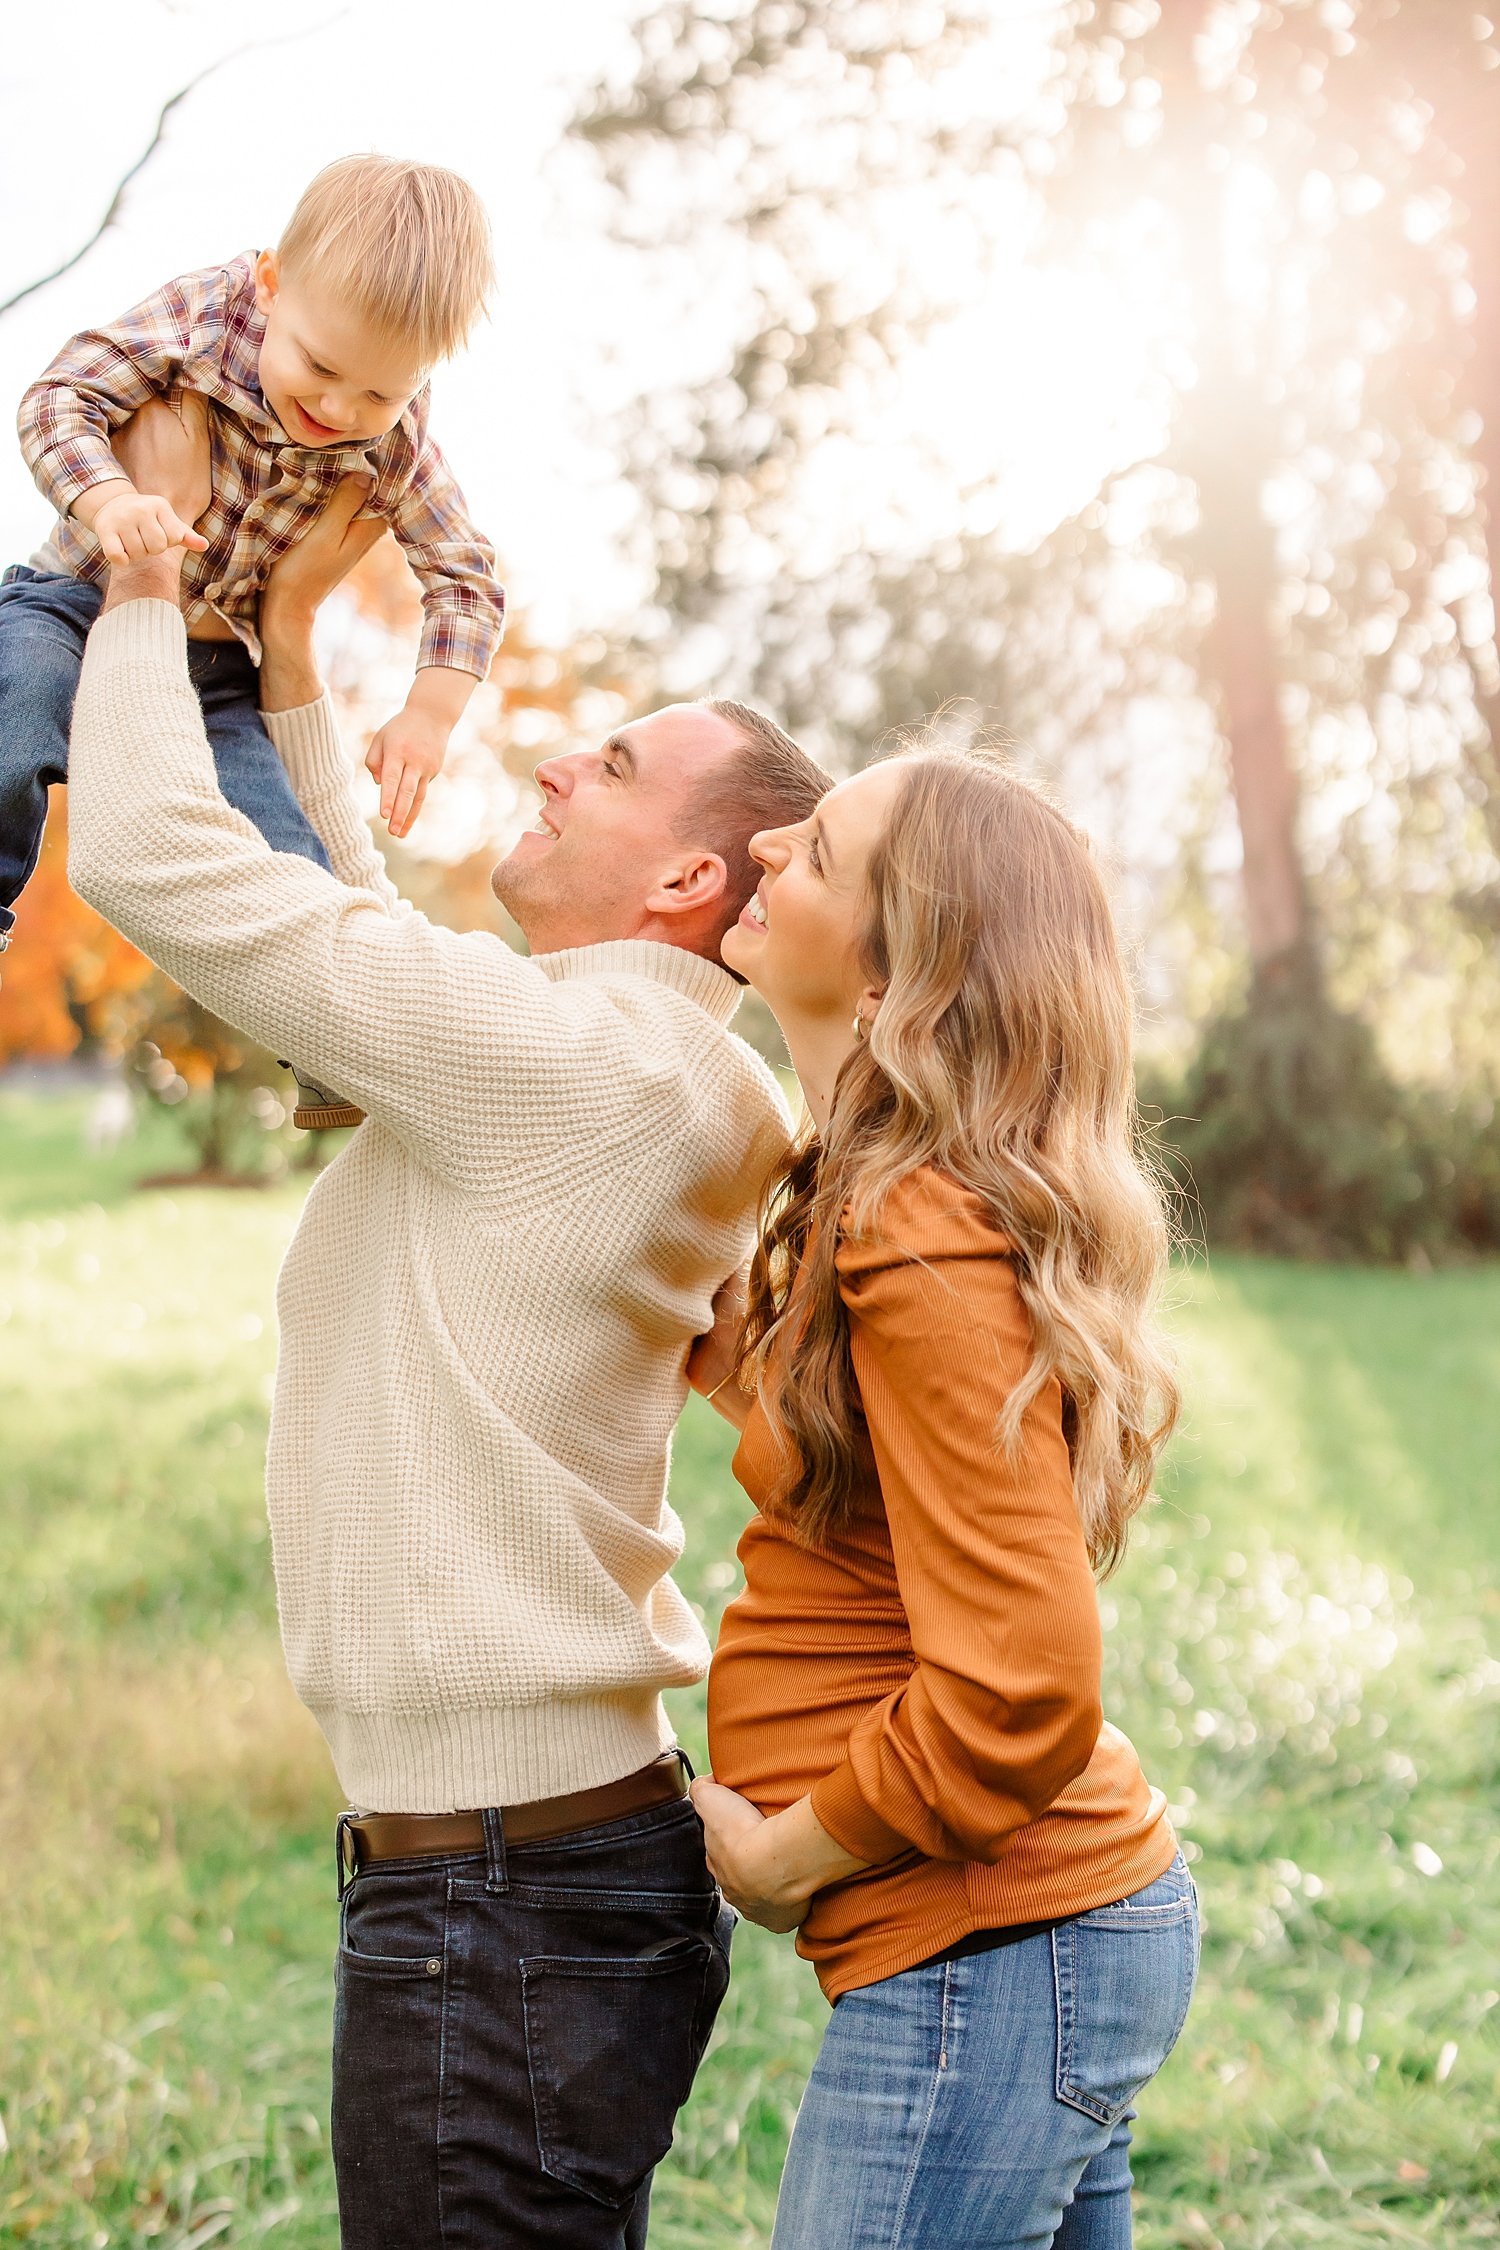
{"x": 859, "y": 1025}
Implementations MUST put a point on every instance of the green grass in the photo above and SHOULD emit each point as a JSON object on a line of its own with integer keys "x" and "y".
{"x": 1302, "y": 1644}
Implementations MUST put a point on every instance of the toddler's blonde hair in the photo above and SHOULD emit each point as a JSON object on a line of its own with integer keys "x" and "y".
{"x": 406, "y": 246}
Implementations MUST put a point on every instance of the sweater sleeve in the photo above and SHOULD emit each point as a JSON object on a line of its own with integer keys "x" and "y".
{"x": 439, "y": 1035}
{"x": 307, "y": 740}
{"x": 1002, "y": 1708}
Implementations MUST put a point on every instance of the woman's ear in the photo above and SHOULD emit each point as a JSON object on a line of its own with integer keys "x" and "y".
{"x": 869, "y": 1004}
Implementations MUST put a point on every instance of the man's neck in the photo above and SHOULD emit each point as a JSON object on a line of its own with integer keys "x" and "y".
{"x": 559, "y": 936}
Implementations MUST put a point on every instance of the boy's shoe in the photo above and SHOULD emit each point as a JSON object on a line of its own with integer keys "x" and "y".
{"x": 318, "y": 1110}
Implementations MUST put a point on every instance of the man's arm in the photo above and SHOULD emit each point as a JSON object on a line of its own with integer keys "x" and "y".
{"x": 293, "y": 702}
{"x": 430, "y": 1031}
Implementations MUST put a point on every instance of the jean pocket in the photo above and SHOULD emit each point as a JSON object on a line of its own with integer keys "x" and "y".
{"x": 1124, "y": 1978}
{"x": 612, "y": 2043}
{"x": 392, "y": 1928}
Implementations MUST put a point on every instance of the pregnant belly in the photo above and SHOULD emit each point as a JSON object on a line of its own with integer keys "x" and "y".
{"x": 781, "y": 1709}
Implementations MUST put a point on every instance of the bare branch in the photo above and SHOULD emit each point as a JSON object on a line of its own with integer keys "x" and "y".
{"x": 117, "y": 200}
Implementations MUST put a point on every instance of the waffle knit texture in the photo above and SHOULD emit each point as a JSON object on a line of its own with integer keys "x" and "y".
{"x": 487, "y": 1304}
{"x": 931, "y": 1673}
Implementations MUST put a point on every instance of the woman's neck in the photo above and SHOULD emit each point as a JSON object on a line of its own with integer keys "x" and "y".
{"x": 819, "y": 1049}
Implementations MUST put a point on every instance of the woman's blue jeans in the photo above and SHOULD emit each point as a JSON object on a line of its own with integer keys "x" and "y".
{"x": 985, "y": 2103}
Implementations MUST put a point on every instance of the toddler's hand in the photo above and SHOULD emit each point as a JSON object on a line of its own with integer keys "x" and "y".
{"x": 132, "y": 525}
{"x": 403, "y": 757}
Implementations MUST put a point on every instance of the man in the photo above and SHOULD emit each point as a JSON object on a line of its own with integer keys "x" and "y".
{"x": 485, "y": 1315}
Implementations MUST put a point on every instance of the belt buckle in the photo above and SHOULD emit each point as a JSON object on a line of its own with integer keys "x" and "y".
{"x": 347, "y": 1862}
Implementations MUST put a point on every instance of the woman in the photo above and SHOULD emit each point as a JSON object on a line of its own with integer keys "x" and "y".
{"x": 956, "y": 1399}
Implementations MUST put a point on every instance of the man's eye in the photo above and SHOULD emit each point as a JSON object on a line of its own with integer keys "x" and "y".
{"x": 610, "y": 767}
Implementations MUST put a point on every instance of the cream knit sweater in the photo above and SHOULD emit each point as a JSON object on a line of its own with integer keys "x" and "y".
{"x": 487, "y": 1304}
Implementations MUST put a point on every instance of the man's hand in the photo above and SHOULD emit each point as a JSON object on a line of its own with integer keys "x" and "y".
{"x": 166, "y": 447}
{"x": 165, "y": 450}
{"x": 712, "y": 1356}
{"x": 298, "y": 585}
{"x": 133, "y": 526}
{"x": 770, "y": 1869}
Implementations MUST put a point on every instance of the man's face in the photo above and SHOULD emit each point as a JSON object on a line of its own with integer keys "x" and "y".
{"x": 327, "y": 378}
{"x": 604, "y": 845}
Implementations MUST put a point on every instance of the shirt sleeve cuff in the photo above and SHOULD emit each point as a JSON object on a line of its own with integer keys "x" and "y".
{"x": 839, "y": 1806}
{"x": 307, "y": 741}
{"x": 64, "y": 483}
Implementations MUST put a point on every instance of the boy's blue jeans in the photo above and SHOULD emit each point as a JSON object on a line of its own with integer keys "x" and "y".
{"x": 987, "y": 2101}
{"x": 44, "y": 623}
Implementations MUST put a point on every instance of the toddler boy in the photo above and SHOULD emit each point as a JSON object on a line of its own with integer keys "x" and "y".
{"x": 314, "y": 359}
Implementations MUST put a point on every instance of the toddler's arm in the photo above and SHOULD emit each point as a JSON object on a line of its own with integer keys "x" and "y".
{"x": 463, "y": 618}
{"x": 69, "y": 414}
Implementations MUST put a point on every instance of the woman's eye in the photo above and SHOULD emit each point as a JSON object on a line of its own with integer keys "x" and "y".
{"x": 813, "y": 860}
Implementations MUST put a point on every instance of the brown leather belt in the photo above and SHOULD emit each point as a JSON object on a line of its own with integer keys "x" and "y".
{"x": 378, "y": 1836}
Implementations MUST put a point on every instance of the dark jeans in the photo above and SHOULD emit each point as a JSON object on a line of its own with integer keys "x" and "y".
{"x": 44, "y": 623}
{"x": 514, "y": 2034}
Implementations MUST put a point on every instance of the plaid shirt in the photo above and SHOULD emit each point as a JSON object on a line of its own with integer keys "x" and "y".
{"x": 203, "y": 333}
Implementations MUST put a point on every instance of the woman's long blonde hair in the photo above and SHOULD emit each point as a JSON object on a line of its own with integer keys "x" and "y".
{"x": 1001, "y": 1055}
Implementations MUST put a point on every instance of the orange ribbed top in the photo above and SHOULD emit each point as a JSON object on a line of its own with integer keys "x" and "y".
{"x": 932, "y": 1673}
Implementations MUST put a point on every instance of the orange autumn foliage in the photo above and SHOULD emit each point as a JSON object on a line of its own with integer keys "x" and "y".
{"x": 66, "y": 970}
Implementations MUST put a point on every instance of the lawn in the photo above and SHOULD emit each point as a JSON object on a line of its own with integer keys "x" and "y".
{"x": 1302, "y": 1643}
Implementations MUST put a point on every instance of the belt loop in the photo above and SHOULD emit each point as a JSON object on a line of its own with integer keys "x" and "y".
{"x": 347, "y": 1868}
{"x": 495, "y": 1875}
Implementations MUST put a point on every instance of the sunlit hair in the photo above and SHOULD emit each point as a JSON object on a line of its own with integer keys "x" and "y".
{"x": 405, "y": 246}
{"x": 1001, "y": 1054}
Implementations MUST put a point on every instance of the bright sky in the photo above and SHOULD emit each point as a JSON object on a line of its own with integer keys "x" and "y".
{"x": 1043, "y": 379}
{"x": 488, "y": 96}
{"x": 1043, "y": 376}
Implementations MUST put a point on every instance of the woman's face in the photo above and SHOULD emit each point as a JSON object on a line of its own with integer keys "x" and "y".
{"x": 797, "y": 940}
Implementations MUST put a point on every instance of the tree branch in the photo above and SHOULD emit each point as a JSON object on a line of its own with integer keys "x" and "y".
{"x": 117, "y": 200}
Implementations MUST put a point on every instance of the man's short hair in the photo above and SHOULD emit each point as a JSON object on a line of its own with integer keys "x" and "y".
{"x": 405, "y": 246}
{"x": 767, "y": 782}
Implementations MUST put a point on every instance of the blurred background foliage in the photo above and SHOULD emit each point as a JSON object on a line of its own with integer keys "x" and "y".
{"x": 1247, "y": 631}
{"x": 1265, "y": 636}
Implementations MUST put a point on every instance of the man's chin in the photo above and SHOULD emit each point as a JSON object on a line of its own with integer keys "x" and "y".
{"x": 521, "y": 877}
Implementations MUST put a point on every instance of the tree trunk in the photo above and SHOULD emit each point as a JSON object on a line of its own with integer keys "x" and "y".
{"x": 1473, "y": 130}
{"x": 1235, "y": 545}
{"x": 1225, "y": 446}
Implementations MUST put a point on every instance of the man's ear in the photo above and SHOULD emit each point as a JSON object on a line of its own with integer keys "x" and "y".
{"x": 267, "y": 280}
{"x": 690, "y": 885}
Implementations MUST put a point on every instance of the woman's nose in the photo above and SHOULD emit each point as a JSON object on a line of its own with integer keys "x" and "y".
{"x": 767, "y": 848}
